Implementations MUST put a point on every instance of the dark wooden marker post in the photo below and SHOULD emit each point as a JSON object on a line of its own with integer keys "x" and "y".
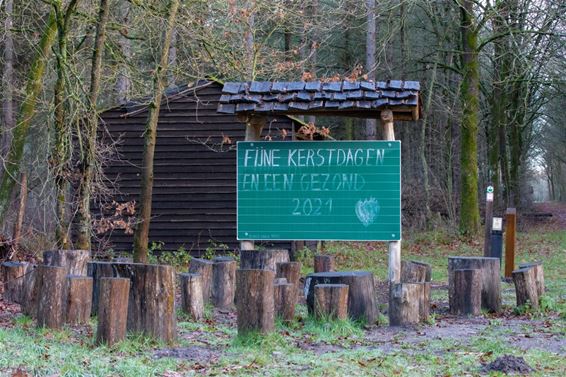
{"x": 510, "y": 240}
{"x": 488, "y": 221}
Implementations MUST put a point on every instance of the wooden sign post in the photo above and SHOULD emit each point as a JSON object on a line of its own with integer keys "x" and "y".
{"x": 510, "y": 240}
{"x": 488, "y": 221}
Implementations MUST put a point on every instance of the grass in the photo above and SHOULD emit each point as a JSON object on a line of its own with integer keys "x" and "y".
{"x": 311, "y": 347}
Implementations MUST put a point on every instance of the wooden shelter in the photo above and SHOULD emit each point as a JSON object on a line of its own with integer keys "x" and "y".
{"x": 194, "y": 193}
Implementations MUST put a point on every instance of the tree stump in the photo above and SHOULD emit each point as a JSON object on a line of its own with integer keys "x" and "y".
{"x": 263, "y": 259}
{"x": 151, "y": 308}
{"x": 405, "y": 304}
{"x": 112, "y": 310}
{"x": 324, "y": 263}
{"x": 331, "y": 301}
{"x": 75, "y": 261}
{"x": 526, "y": 287}
{"x": 290, "y": 271}
{"x": 415, "y": 272}
{"x": 285, "y": 296}
{"x": 50, "y": 296}
{"x": 539, "y": 275}
{"x": 204, "y": 268}
{"x": 79, "y": 300}
{"x": 490, "y": 279}
{"x": 97, "y": 270}
{"x": 361, "y": 292}
{"x": 192, "y": 301}
{"x": 255, "y": 300}
{"x": 223, "y": 281}
{"x": 13, "y": 276}
{"x": 29, "y": 292}
{"x": 424, "y": 302}
{"x": 467, "y": 292}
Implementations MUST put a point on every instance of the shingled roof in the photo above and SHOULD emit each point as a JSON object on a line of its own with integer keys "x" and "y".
{"x": 348, "y": 98}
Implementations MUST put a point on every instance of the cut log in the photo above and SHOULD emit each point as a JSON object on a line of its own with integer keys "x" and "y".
{"x": 415, "y": 272}
{"x": 97, "y": 270}
{"x": 361, "y": 292}
{"x": 50, "y": 296}
{"x": 13, "y": 276}
{"x": 75, "y": 261}
{"x": 467, "y": 292}
{"x": 285, "y": 295}
{"x": 424, "y": 302}
{"x": 405, "y": 304}
{"x": 539, "y": 275}
{"x": 526, "y": 287}
{"x": 223, "y": 282}
{"x": 263, "y": 259}
{"x": 491, "y": 282}
{"x": 151, "y": 308}
{"x": 29, "y": 292}
{"x": 290, "y": 271}
{"x": 192, "y": 301}
{"x": 255, "y": 300}
{"x": 112, "y": 310}
{"x": 331, "y": 301}
{"x": 79, "y": 300}
{"x": 324, "y": 263}
{"x": 204, "y": 268}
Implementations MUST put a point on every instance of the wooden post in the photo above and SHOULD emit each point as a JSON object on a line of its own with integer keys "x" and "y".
{"x": 467, "y": 292}
{"x": 405, "y": 304}
{"x": 324, "y": 263}
{"x": 290, "y": 271}
{"x": 285, "y": 296}
{"x": 263, "y": 259}
{"x": 50, "y": 292}
{"x": 204, "y": 268}
{"x": 12, "y": 274}
{"x": 223, "y": 281}
{"x": 254, "y": 126}
{"x": 394, "y": 270}
{"x": 488, "y": 221}
{"x": 415, "y": 272}
{"x": 75, "y": 261}
{"x": 539, "y": 275}
{"x": 510, "y": 240}
{"x": 331, "y": 301}
{"x": 112, "y": 310}
{"x": 29, "y": 292}
{"x": 191, "y": 295}
{"x": 79, "y": 300}
{"x": 255, "y": 301}
{"x": 526, "y": 287}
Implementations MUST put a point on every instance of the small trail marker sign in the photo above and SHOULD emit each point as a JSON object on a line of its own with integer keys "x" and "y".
{"x": 343, "y": 190}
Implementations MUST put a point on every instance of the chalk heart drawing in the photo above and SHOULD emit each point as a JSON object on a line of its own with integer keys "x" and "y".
{"x": 367, "y": 210}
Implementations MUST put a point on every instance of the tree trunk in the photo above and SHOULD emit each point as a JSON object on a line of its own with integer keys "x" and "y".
{"x": 370, "y": 130}
{"x": 88, "y": 163}
{"x": 263, "y": 259}
{"x": 112, "y": 310}
{"x": 539, "y": 275}
{"x": 490, "y": 279}
{"x": 17, "y": 234}
{"x": 331, "y": 301}
{"x": 141, "y": 235}
{"x": 74, "y": 261}
{"x": 204, "y": 268}
{"x": 192, "y": 301}
{"x": 415, "y": 272}
{"x": 255, "y": 300}
{"x": 285, "y": 296}
{"x": 361, "y": 292}
{"x": 123, "y": 81}
{"x": 470, "y": 96}
{"x": 7, "y": 81}
{"x": 12, "y": 275}
{"x": 29, "y": 292}
{"x": 97, "y": 271}
{"x": 223, "y": 281}
{"x": 526, "y": 287}
{"x": 79, "y": 300}
{"x": 27, "y": 111}
{"x": 324, "y": 263}
{"x": 467, "y": 292}
{"x": 290, "y": 271}
{"x": 405, "y": 304}
{"x": 50, "y": 292}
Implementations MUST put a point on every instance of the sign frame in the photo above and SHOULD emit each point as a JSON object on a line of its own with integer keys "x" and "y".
{"x": 395, "y": 237}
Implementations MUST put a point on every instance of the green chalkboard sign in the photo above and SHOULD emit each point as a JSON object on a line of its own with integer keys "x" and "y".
{"x": 319, "y": 190}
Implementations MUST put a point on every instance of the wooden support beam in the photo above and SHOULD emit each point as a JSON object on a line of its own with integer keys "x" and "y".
{"x": 510, "y": 240}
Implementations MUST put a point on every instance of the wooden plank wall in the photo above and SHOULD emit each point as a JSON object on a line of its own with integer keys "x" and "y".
{"x": 194, "y": 192}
